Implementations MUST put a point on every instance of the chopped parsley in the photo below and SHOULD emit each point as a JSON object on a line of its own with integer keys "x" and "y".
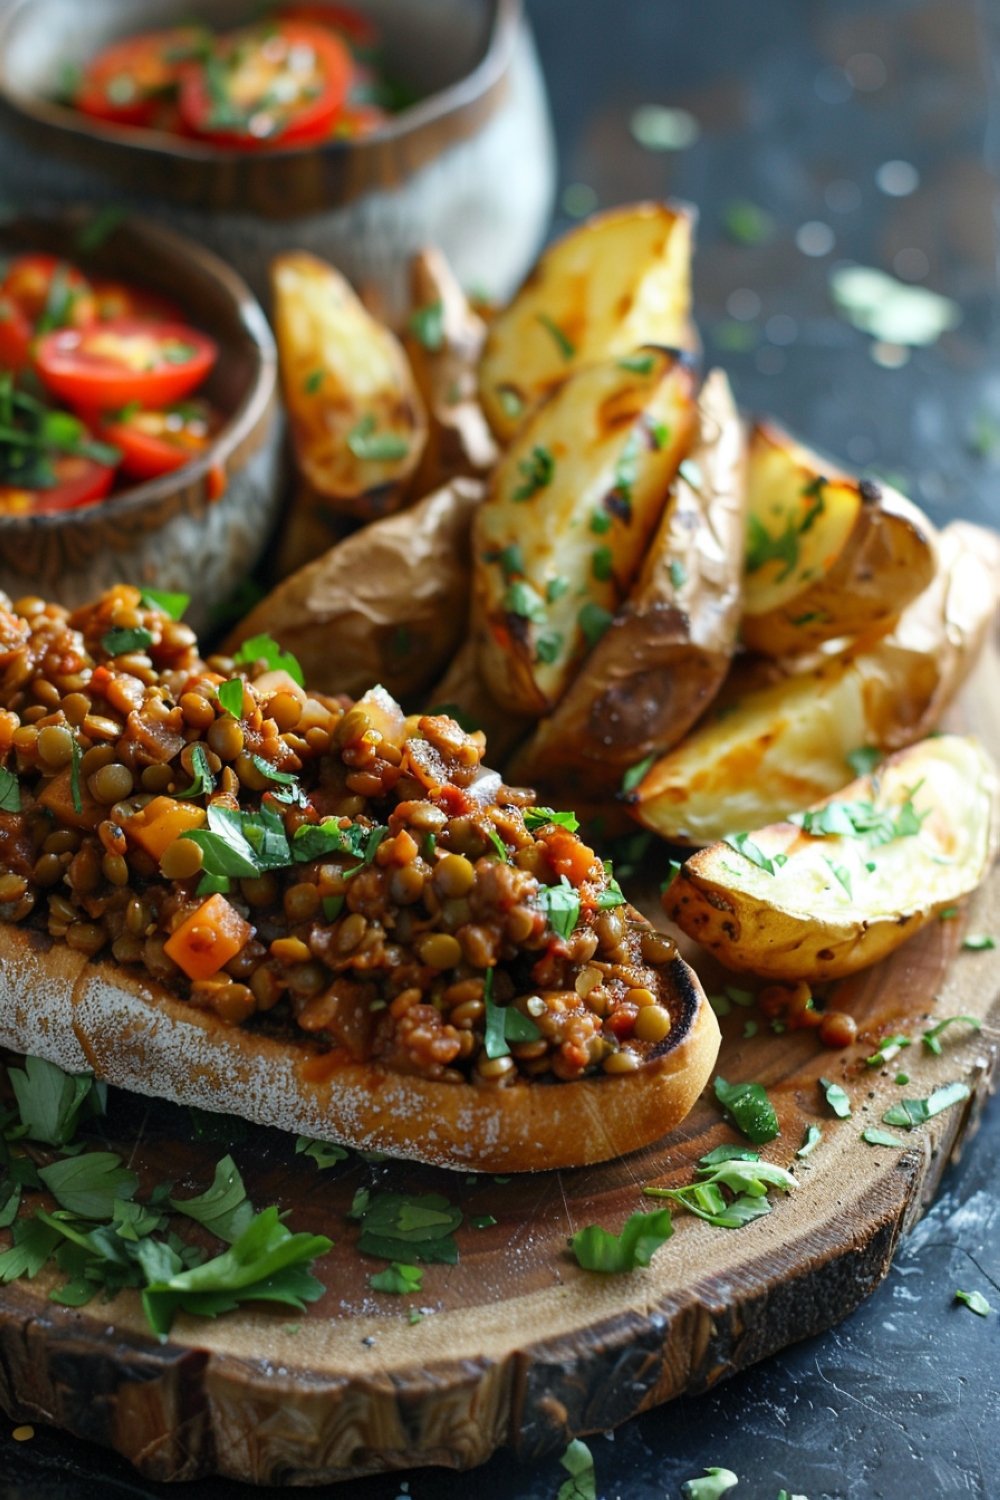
{"x": 931, "y": 1039}
{"x": 678, "y": 574}
{"x": 837, "y": 1098}
{"x": 427, "y": 326}
{"x": 626, "y": 474}
{"x": 265, "y": 648}
{"x": 540, "y": 817}
{"x": 270, "y": 770}
{"x": 536, "y": 471}
{"x": 861, "y": 820}
{"x": 555, "y": 588}
{"x": 313, "y": 381}
{"x": 404, "y": 1227}
{"x": 638, "y": 364}
{"x": 511, "y": 402}
{"x": 74, "y": 776}
{"x": 978, "y": 942}
{"x": 89, "y": 1184}
{"x": 171, "y": 604}
{"x": 875, "y": 1137}
{"x": 637, "y": 773}
{"x": 890, "y": 1048}
{"x": 10, "y": 791}
{"x": 594, "y": 622}
{"x": 498, "y": 844}
{"x": 912, "y": 1112}
{"x": 548, "y": 646}
{"x": 51, "y": 1103}
{"x": 864, "y": 760}
{"x": 714, "y": 1483}
{"x": 565, "y": 345}
{"x": 561, "y": 905}
{"x": 597, "y": 1249}
{"x": 400, "y": 1279}
{"x": 224, "y": 1210}
{"x": 231, "y": 696}
{"x": 743, "y": 1174}
{"x": 371, "y": 446}
{"x": 241, "y": 845}
{"x": 121, "y": 642}
{"x": 203, "y": 782}
{"x": 743, "y": 844}
{"x": 763, "y": 548}
{"x": 751, "y": 1110}
{"x": 975, "y": 1301}
{"x": 511, "y": 561}
{"x": 504, "y": 1024}
{"x": 600, "y": 522}
{"x": 810, "y": 1141}
{"x": 602, "y": 562}
{"x": 578, "y": 1461}
{"x": 524, "y": 600}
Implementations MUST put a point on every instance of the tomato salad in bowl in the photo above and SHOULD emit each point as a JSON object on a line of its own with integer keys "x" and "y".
{"x": 99, "y": 384}
{"x": 303, "y": 74}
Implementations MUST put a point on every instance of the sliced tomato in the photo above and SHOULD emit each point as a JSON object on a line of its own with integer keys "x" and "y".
{"x": 49, "y": 291}
{"x": 105, "y": 367}
{"x": 127, "y": 82}
{"x": 157, "y": 442}
{"x": 277, "y": 85}
{"x": 79, "y": 481}
{"x": 119, "y": 299}
{"x": 16, "y": 334}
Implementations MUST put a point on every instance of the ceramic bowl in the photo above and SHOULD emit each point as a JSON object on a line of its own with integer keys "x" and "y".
{"x": 200, "y": 529}
{"x": 470, "y": 167}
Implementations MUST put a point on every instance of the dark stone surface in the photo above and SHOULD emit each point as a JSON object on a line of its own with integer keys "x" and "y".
{"x": 902, "y": 1400}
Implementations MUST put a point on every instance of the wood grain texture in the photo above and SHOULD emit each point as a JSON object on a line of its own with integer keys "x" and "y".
{"x": 517, "y": 1345}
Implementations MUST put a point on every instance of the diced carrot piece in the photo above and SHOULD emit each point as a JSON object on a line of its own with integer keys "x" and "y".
{"x": 209, "y": 938}
{"x": 569, "y": 857}
{"x": 160, "y": 822}
{"x": 58, "y": 798}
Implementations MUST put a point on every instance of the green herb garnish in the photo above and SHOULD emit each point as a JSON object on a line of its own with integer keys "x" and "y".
{"x": 265, "y": 648}
{"x": 594, "y": 621}
{"x": 522, "y": 599}
{"x": 537, "y": 473}
{"x": 372, "y": 446}
{"x": 224, "y": 1210}
{"x": 875, "y": 1137}
{"x": 119, "y": 642}
{"x": 504, "y": 1024}
{"x": 51, "y": 1103}
{"x": 578, "y": 1461}
{"x": 637, "y": 773}
{"x": 76, "y": 750}
{"x": 561, "y": 905}
{"x": 596, "y": 1249}
{"x": 427, "y": 326}
{"x": 399, "y": 1279}
{"x": 975, "y": 1301}
{"x": 714, "y": 1483}
{"x": 89, "y": 1184}
{"x": 172, "y": 604}
{"x": 638, "y": 364}
{"x": 837, "y": 1098}
{"x": 405, "y": 1227}
{"x": 810, "y": 1141}
{"x": 978, "y": 942}
{"x": 540, "y": 817}
{"x": 565, "y": 346}
{"x": 744, "y": 844}
{"x": 231, "y": 696}
{"x": 751, "y": 1110}
{"x": 548, "y": 645}
{"x": 10, "y": 791}
{"x": 313, "y": 381}
{"x": 931, "y": 1038}
{"x": 890, "y": 1048}
{"x": 203, "y": 783}
{"x": 864, "y": 760}
{"x": 912, "y": 1112}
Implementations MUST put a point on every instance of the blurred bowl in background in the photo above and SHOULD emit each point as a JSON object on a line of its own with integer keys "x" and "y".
{"x": 200, "y": 529}
{"x": 470, "y": 167}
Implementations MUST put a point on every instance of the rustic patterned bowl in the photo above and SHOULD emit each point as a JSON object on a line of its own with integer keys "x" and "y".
{"x": 200, "y": 529}
{"x": 470, "y": 167}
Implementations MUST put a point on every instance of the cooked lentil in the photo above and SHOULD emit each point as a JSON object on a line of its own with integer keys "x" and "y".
{"x": 368, "y": 898}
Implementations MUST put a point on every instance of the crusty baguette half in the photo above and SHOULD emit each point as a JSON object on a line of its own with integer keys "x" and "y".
{"x": 99, "y": 1017}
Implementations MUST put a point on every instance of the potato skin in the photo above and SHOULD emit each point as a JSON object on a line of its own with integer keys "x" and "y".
{"x": 780, "y": 748}
{"x": 443, "y": 341}
{"x": 874, "y": 551}
{"x": 621, "y": 279}
{"x": 569, "y": 515}
{"x": 345, "y": 377}
{"x": 662, "y": 660}
{"x": 386, "y": 605}
{"x": 778, "y": 928}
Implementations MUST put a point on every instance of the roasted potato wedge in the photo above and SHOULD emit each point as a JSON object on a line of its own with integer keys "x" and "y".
{"x": 386, "y": 605}
{"x": 620, "y": 280}
{"x": 855, "y": 876}
{"x": 828, "y": 557}
{"x": 570, "y": 512}
{"x": 661, "y": 661}
{"x": 357, "y": 420}
{"x": 443, "y": 340}
{"x": 782, "y": 747}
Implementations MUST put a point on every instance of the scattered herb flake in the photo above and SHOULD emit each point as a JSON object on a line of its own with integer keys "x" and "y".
{"x": 638, "y": 364}
{"x": 483, "y": 1221}
{"x": 399, "y": 1279}
{"x": 637, "y": 773}
{"x": 265, "y": 648}
{"x": 752, "y": 1111}
{"x": 743, "y": 844}
{"x": 540, "y": 817}
{"x": 522, "y": 599}
{"x": 231, "y": 696}
{"x": 890, "y": 1048}
{"x": 810, "y": 1141}
{"x": 975, "y": 1301}
{"x": 313, "y": 381}
{"x": 578, "y": 1461}
{"x": 10, "y": 792}
{"x": 714, "y": 1483}
{"x": 427, "y": 326}
{"x": 978, "y": 942}
{"x": 876, "y": 1137}
{"x": 837, "y": 1098}
{"x": 593, "y": 620}
{"x": 371, "y": 446}
{"x": 565, "y": 345}
{"x": 911, "y": 1112}
{"x": 203, "y": 782}
{"x": 864, "y": 759}
{"x": 172, "y": 604}
{"x": 602, "y": 561}
{"x": 121, "y": 642}
{"x": 537, "y": 472}
{"x": 678, "y": 573}
{"x": 597, "y": 1249}
{"x": 561, "y": 905}
{"x": 931, "y": 1038}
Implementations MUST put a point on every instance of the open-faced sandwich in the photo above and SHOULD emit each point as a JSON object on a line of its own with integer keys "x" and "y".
{"x": 331, "y": 918}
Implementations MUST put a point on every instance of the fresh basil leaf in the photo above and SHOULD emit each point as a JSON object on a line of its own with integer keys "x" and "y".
{"x": 400, "y": 1279}
{"x": 10, "y": 791}
{"x": 752, "y": 1111}
{"x": 120, "y": 642}
{"x": 911, "y": 1112}
{"x": 324, "y": 1153}
{"x": 540, "y": 817}
{"x": 225, "y": 850}
{"x": 224, "y": 1208}
{"x": 837, "y": 1098}
{"x": 561, "y": 905}
{"x": 597, "y": 1249}
{"x": 50, "y": 1102}
{"x": 88, "y": 1185}
{"x": 171, "y": 604}
{"x": 265, "y": 648}
{"x": 931, "y": 1038}
{"x": 578, "y": 1461}
{"x": 203, "y": 783}
{"x": 975, "y": 1301}
{"x": 231, "y": 696}
{"x": 314, "y": 840}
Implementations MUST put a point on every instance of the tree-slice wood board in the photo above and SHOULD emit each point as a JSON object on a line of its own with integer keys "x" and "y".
{"x": 516, "y": 1345}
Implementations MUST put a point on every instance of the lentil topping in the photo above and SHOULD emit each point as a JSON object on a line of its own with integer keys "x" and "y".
{"x": 355, "y": 873}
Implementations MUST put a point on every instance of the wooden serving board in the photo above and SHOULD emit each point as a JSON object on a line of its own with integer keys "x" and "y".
{"x": 517, "y": 1345}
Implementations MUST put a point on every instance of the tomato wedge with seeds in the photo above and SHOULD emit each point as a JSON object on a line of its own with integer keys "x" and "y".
{"x": 105, "y": 367}
{"x": 79, "y": 481}
{"x": 157, "y": 442}
{"x": 276, "y": 85}
{"x": 127, "y": 83}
